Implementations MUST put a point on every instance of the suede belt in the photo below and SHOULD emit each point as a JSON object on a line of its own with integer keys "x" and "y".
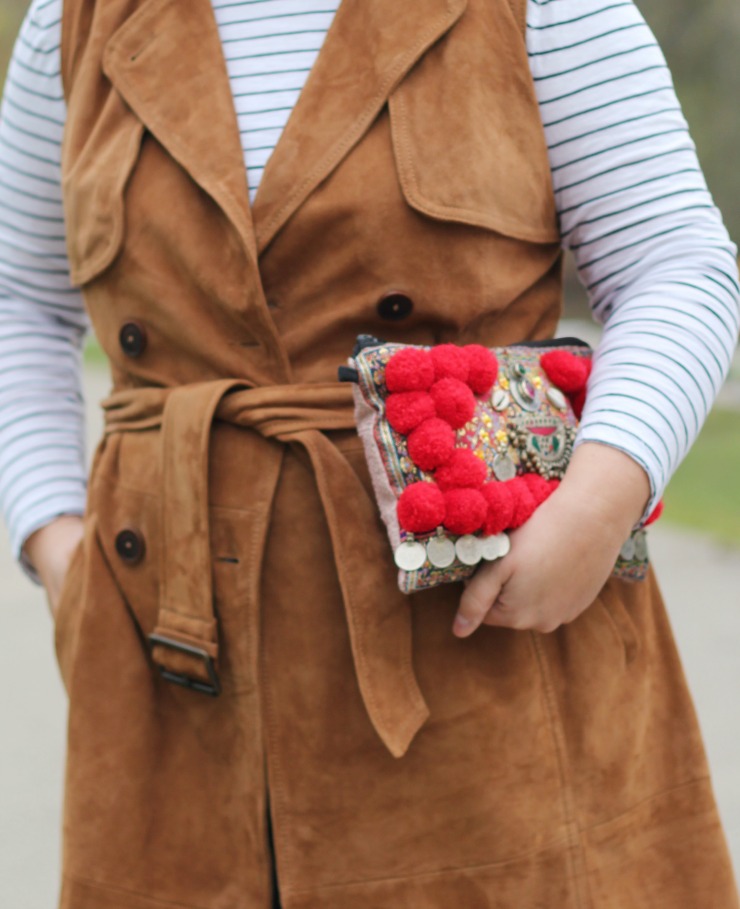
{"x": 185, "y": 639}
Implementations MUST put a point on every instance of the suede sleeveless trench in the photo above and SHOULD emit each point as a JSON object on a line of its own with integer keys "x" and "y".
{"x": 231, "y": 539}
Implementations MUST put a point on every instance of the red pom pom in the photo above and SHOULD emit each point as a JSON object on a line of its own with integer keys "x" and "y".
{"x": 450, "y": 362}
{"x": 431, "y": 444}
{"x": 465, "y": 510}
{"x": 540, "y": 488}
{"x": 406, "y": 409}
{"x": 483, "y": 368}
{"x": 524, "y": 502}
{"x": 463, "y": 469}
{"x": 454, "y": 401}
{"x": 500, "y": 503}
{"x": 409, "y": 369}
{"x": 654, "y": 514}
{"x": 421, "y": 507}
{"x": 569, "y": 372}
{"x": 577, "y": 402}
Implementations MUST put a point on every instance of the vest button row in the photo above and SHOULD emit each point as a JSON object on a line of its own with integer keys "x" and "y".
{"x": 395, "y": 306}
{"x": 130, "y": 546}
{"x": 132, "y": 338}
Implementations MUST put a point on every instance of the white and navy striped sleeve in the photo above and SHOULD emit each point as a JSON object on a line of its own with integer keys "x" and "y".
{"x": 649, "y": 244}
{"x": 631, "y": 198}
{"x": 42, "y": 320}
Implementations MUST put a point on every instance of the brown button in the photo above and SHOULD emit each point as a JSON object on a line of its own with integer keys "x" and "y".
{"x": 394, "y": 306}
{"x": 132, "y": 338}
{"x": 130, "y": 545}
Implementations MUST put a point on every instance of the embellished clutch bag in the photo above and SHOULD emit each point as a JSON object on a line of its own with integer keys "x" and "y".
{"x": 463, "y": 444}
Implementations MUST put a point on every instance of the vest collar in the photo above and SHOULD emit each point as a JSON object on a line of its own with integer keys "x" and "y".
{"x": 167, "y": 63}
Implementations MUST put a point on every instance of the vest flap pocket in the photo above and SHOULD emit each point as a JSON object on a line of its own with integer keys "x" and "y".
{"x": 467, "y": 135}
{"x": 94, "y": 190}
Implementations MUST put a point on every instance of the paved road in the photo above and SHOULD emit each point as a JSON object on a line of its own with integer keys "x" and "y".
{"x": 701, "y": 583}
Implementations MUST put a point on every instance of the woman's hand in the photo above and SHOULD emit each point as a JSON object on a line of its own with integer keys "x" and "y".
{"x": 561, "y": 558}
{"x": 50, "y": 550}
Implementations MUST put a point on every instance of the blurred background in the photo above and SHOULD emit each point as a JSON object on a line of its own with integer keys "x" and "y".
{"x": 696, "y": 546}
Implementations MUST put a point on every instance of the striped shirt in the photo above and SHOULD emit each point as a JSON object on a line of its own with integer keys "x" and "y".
{"x": 633, "y": 207}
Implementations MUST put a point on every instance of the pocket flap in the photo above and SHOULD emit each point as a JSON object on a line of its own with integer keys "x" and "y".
{"x": 468, "y": 138}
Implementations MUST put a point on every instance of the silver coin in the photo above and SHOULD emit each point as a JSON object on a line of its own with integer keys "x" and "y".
{"x": 468, "y": 549}
{"x": 504, "y": 468}
{"x": 495, "y": 547}
{"x": 441, "y": 552}
{"x": 410, "y": 556}
{"x": 557, "y": 398}
{"x": 627, "y": 551}
{"x": 641, "y": 550}
{"x": 500, "y": 399}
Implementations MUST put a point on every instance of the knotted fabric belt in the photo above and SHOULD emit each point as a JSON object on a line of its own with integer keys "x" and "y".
{"x": 185, "y": 639}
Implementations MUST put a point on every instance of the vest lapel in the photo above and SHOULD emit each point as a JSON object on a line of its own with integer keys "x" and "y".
{"x": 370, "y": 46}
{"x": 167, "y": 62}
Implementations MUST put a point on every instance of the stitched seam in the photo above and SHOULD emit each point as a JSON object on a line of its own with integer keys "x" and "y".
{"x": 115, "y": 239}
{"x": 220, "y": 512}
{"x": 621, "y": 633}
{"x": 180, "y": 149}
{"x": 410, "y": 184}
{"x": 431, "y": 875}
{"x": 360, "y": 655}
{"x": 186, "y": 615}
{"x": 646, "y": 801}
{"x": 407, "y": 677}
{"x": 577, "y": 863}
{"x": 275, "y": 788}
{"x": 90, "y": 882}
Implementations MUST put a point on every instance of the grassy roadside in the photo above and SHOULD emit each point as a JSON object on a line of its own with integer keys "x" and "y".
{"x": 93, "y": 354}
{"x": 704, "y": 493}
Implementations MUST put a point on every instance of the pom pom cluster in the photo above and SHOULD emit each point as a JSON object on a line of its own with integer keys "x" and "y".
{"x": 431, "y": 394}
{"x": 441, "y": 382}
{"x": 492, "y": 507}
{"x": 570, "y": 373}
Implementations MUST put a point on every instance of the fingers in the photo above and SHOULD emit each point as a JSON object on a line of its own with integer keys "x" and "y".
{"x": 479, "y": 595}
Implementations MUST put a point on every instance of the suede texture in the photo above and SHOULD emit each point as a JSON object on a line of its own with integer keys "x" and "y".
{"x": 399, "y": 765}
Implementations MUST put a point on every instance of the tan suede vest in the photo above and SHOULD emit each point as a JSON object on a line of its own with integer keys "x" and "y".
{"x": 409, "y": 197}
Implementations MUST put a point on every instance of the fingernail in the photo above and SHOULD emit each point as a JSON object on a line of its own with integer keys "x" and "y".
{"x": 461, "y": 624}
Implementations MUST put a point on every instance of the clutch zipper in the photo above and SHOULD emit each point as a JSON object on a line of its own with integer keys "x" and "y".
{"x": 350, "y": 374}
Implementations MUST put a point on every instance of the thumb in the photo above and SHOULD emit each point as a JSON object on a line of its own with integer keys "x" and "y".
{"x": 479, "y": 595}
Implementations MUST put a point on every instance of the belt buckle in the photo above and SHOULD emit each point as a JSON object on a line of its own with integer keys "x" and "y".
{"x": 213, "y": 689}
